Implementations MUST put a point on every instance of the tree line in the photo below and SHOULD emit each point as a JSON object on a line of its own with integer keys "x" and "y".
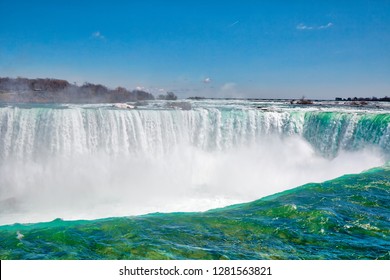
{"x": 56, "y": 90}
{"x": 363, "y": 99}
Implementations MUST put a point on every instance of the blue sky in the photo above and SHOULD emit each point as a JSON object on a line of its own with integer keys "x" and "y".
{"x": 265, "y": 49}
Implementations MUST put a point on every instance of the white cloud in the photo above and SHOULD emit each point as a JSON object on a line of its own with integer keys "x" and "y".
{"x": 98, "y": 35}
{"x": 234, "y": 23}
{"x": 207, "y": 80}
{"x": 302, "y": 26}
{"x": 325, "y": 26}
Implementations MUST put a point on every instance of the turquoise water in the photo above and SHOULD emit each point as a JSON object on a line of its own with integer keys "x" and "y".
{"x": 63, "y": 161}
{"x": 345, "y": 218}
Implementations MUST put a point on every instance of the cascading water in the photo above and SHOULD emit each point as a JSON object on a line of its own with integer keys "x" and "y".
{"x": 98, "y": 161}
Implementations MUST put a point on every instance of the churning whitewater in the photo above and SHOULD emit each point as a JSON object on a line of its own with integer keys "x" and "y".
{"x": 95, "y": 161}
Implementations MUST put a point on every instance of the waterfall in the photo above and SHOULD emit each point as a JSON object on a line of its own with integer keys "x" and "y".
{"x": 29, "y": 133}
{"x": 87, "y": 162}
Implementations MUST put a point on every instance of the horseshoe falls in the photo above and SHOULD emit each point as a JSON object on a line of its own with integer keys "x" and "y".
{"x": 208, "y": 179}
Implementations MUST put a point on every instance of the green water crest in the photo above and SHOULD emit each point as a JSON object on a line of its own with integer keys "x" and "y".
{"x": 345, "y": 218}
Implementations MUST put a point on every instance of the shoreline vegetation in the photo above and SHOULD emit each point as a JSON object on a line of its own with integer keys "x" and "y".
{"x": 49, "y": 90}
{"x": 61, "y": 91}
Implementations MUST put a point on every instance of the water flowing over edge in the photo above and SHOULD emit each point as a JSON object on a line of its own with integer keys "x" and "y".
{"x": 190, "y": 159}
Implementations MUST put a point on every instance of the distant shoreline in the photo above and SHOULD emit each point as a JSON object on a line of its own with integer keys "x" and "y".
{"x": 24, "y": 90}
{"x": 48, "y": 90}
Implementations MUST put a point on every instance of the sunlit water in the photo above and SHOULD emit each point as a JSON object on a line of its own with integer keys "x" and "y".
{"x": 95, "y": 161}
